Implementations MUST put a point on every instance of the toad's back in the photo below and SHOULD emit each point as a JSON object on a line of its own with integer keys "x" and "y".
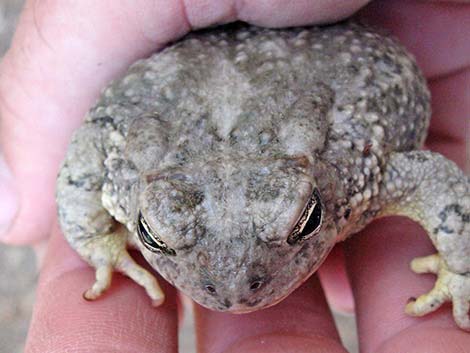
{"x": 237, "y": 158}
{"x": 238, "y": 90}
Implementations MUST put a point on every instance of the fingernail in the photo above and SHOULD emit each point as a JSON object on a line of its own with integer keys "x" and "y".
{"x": 8, "y": 200}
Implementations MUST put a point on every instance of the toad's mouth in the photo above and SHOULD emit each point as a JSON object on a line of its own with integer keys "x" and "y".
{"x": 262, "y": 302}
{"x": 241, "y": 309}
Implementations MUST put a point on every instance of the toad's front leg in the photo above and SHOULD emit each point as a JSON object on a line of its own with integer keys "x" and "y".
{"x": 86, "y": 224}
{"x": 431, "y": 190}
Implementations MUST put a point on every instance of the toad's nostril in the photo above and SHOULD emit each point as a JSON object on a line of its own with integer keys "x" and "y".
{"x": 227, "y": 303}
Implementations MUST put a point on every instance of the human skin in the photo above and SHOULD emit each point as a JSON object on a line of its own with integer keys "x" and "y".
{"x": 53, "y": 73}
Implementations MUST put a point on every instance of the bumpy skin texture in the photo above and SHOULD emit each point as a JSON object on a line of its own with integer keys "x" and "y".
{"x": 219, "y": 142}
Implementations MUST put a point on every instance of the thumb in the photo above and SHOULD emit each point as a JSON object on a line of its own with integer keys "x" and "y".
{"x": 49, "y": 78}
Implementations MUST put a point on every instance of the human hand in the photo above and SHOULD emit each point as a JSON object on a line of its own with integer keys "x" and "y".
{"x": 70, "y": 60}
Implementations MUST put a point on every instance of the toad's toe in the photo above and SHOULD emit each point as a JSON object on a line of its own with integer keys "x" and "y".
{"x": 449, "y": 286}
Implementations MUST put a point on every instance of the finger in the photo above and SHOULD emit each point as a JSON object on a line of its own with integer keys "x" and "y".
{"x": 121, "y": 320}
{"x": 450, "y": 118}
{"x": 300, "y": 323}
{"x": 435, "y": 32}
{"x": 378, "y": 260}
{"x": 52, "y": 74}
{"x": 270, "y": 13}
{"x": 335, "y": 281}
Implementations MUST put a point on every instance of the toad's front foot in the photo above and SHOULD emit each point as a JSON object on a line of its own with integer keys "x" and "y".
{"x": 107, "y": 253}
{"x": 449, "y": 286}
{"x": 433, "y": 191}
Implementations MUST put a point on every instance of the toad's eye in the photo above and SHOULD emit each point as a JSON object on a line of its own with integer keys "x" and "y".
{"x": 256, "y": 284}
{"x": 310, "y": 222}
{"x": 210, "y": 288}
{"x": 151, "y": 240}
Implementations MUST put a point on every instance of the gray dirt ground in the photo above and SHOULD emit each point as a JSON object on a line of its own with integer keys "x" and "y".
{"x": 17, "y": 283}
{"x": 18, "y": 275}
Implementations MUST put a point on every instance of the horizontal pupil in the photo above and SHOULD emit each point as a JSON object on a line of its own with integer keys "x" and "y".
{"x": 149, "y": 241}
{"x": 310, "y": 221}
{"x": 313, "y": 221}
{"x": 145, "y": 235}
